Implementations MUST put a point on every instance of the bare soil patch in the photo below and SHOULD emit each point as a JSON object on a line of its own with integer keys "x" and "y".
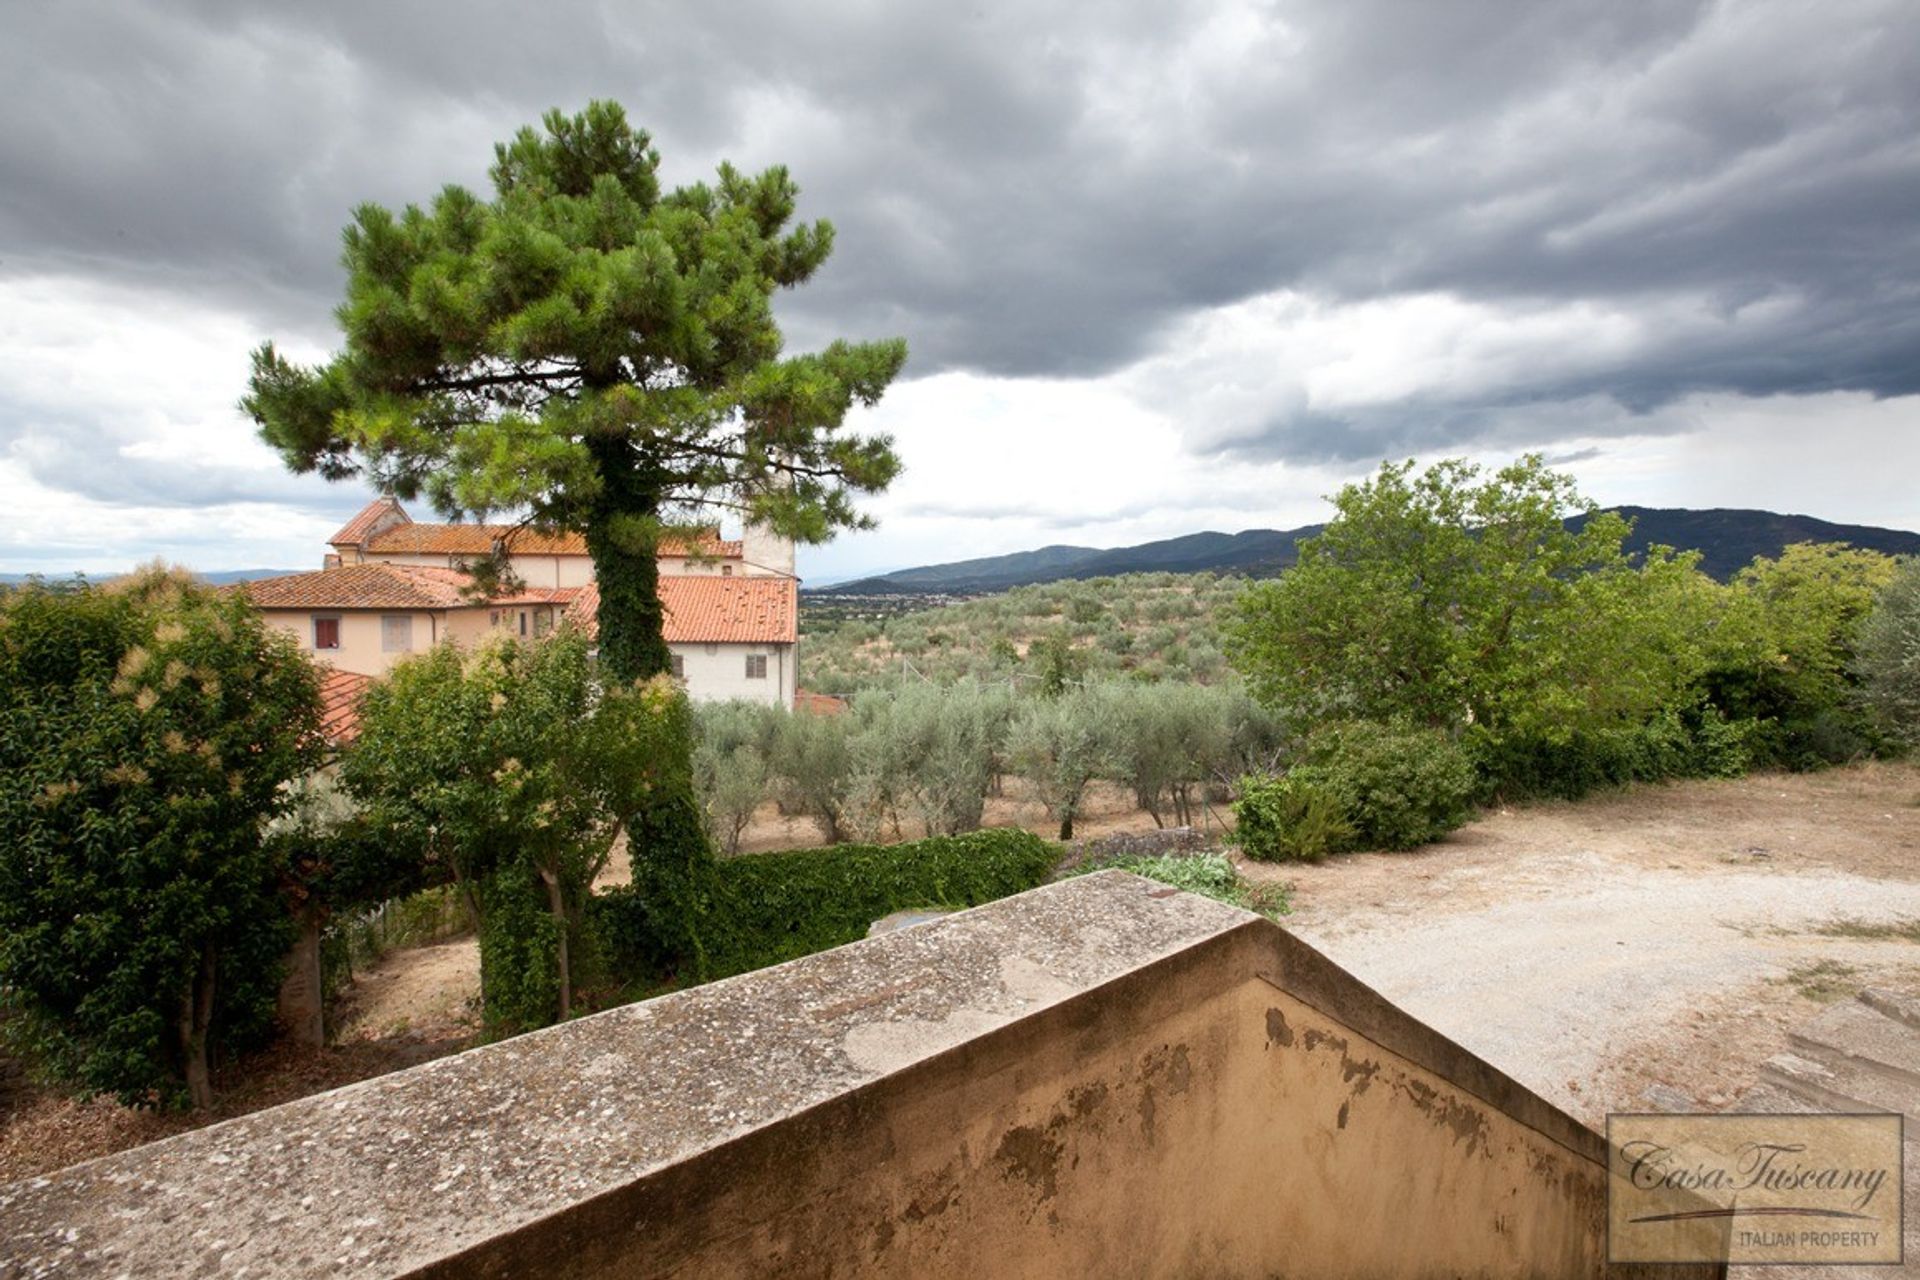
{"x": 1646, "y": 947}
{"x": 45, "y": 1129}
{"x": 419, "y": 994}
{"x": 416, "y": 1005}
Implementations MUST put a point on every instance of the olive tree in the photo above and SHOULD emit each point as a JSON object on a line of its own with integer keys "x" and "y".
{"x": 1061, "y": 744}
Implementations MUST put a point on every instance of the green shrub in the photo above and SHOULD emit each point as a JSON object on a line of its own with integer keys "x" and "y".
{"x": 1699, "y": 742}
{"x": 148, "y": 731}
{"x": 1289, "y": 820}
{"x": 1888, "y": 661}
{"x": 1210, "y": 875}
{"x": 764, "y": 908}
{"x": 1399, "y": 787}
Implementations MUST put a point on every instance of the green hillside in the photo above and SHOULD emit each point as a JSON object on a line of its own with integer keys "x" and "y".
{"x": 1152, "y": 626}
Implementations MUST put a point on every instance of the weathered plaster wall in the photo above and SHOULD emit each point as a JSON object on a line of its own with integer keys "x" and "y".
{"x": 361, "y": 649}
{"x": 1100, "y": 1078}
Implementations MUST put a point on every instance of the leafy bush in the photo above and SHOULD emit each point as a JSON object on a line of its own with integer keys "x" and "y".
{"x": 1699, "y": 742}
{"x": 1289, "y": 820}
{"x": 761, "y": 909}
{"x": 1210, "y": 875}
{"x": 510, "y": 769}
{"x": 1888, "y": 655}
{"x": 148, "y": 730}
{"x": 1399, "y": 787}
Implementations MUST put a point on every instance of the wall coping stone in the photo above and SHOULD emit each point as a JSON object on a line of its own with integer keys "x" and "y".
{"x": 396, "y": 1174}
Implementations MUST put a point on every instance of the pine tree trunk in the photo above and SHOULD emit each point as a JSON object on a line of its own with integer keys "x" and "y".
{"x": 625, "y": 563}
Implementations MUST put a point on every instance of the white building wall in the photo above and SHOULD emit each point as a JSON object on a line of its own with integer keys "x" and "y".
{"x": 767, "y": 553}
{"x": 687, "y": 567}
{"x": 718, "y": 672}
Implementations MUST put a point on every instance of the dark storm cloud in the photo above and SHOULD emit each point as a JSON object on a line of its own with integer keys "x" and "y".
{"x": 1048, "y": 190}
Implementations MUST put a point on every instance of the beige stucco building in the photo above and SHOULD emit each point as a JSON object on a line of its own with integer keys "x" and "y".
{"x": 392, "y": 586}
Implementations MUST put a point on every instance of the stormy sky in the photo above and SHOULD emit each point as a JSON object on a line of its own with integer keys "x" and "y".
{"x": 1161, "y": 267}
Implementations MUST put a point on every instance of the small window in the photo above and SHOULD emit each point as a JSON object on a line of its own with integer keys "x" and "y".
{"x": 498, "y": 617}
{"x": 326, "y": 633}
{"x": 726, "y": 571}
{"x": 396, "y": 633}
{"x": 679, "y": 663}
{"x": 523, "y": 622}
{"x": 756, "y": 666}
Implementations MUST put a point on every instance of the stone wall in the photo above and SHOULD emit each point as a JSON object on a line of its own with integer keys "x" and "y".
{"x": 1102, "y": 1077}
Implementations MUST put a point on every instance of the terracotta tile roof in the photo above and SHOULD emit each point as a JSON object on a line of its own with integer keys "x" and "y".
{"x": 354, "y": 532}
{"x": 699, "y": 608}
{"x": 584, "y": 611}
{"x": 364, "y": 586}
{"x": 705, "y": 609}
{"x": 539, "y": 595}
{"x": 473, "y": 540}
{"x": 707, "y": 544}
{"x": 478, "y": 540}
{"x": 405, "y": 537}
{"x": 340, "y": 694}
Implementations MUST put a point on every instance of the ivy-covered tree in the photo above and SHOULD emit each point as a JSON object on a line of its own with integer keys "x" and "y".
{"x": 147, "y": 731}
{"x": 509, "y": 771}
{"x": 593, "y": 351}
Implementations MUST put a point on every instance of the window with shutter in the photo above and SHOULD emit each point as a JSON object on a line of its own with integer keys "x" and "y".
{"x": 396, "y": 633}
{"x": 326, "y": 633}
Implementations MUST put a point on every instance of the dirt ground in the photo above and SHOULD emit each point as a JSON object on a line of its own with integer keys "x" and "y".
{"x": 1650, "y": 947}
{"x": 43, "y": 1129}
{"x": 423, "y": 994}
{"x": 416, "y": 1005}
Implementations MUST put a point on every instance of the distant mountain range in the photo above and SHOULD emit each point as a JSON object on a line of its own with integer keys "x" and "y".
{"x": 1727, "y": 540}
{"x": 220, "y": 579}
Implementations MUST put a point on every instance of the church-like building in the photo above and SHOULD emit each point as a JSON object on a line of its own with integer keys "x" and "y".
{"x": 392, "y": 586}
